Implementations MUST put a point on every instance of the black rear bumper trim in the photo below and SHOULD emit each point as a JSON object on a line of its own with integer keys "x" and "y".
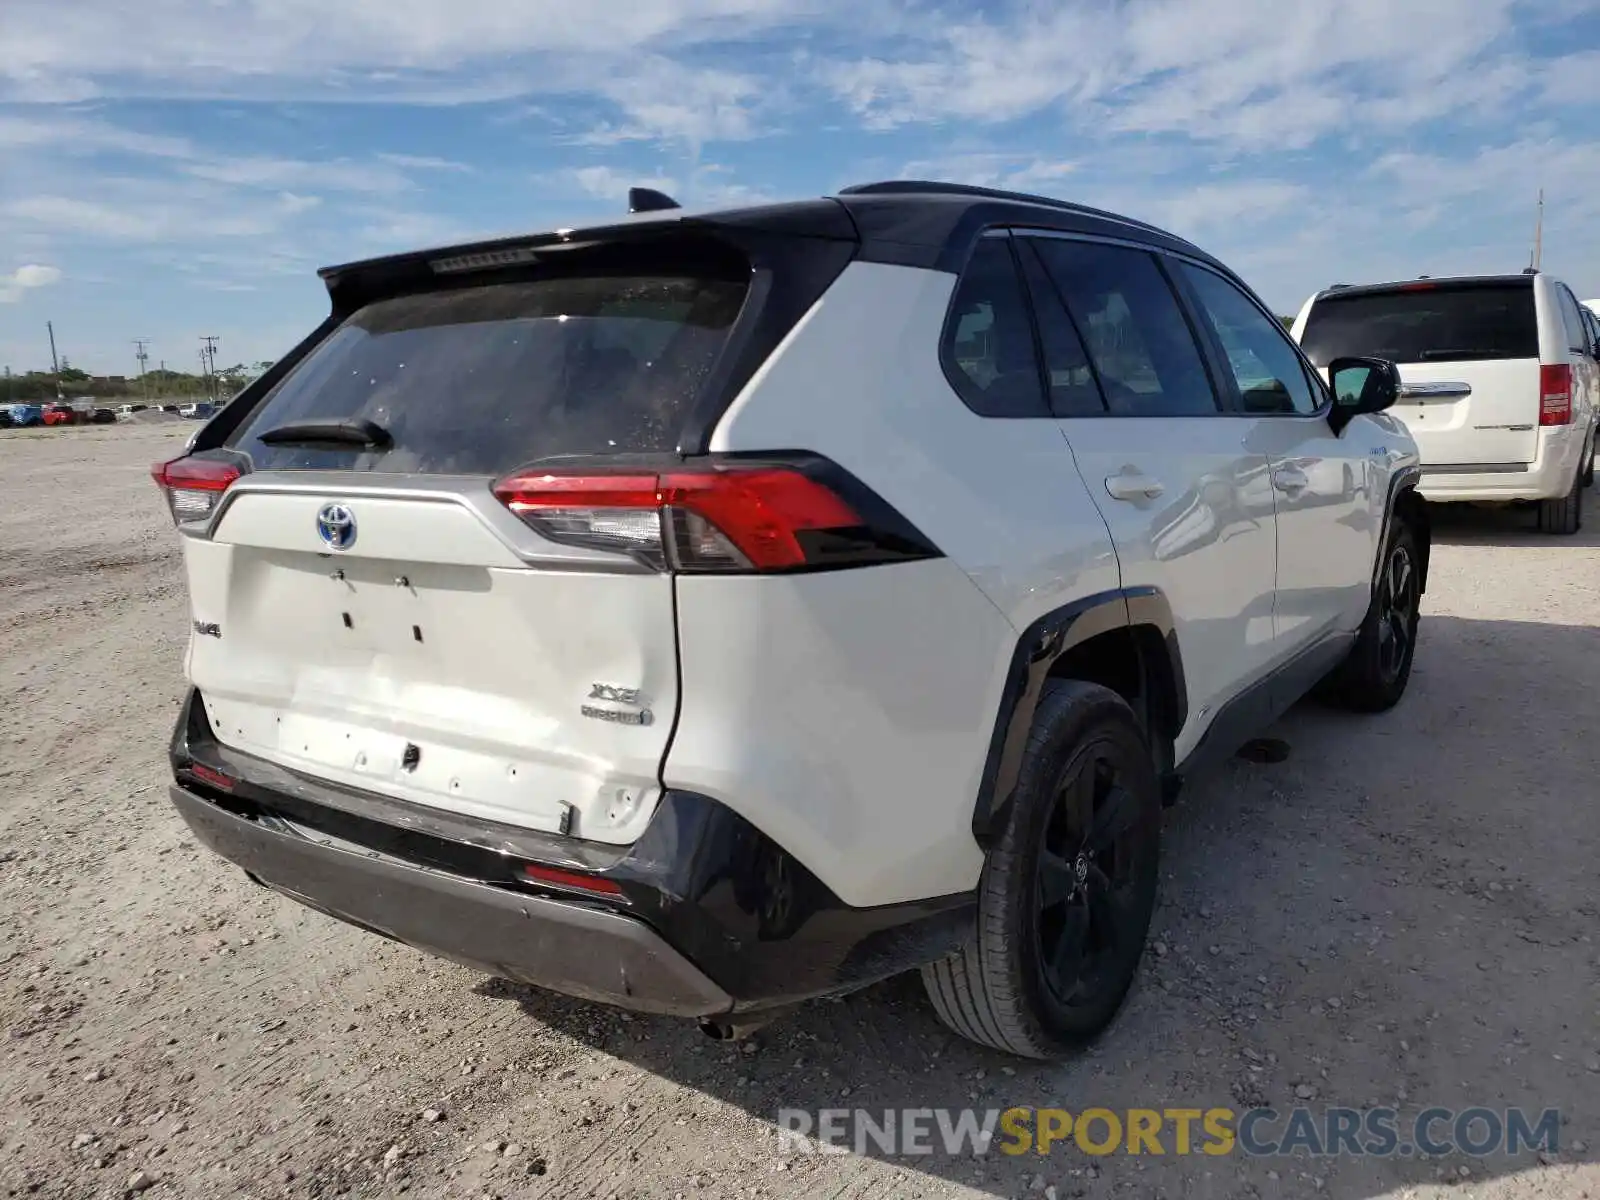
{"x": 569, "y": 947}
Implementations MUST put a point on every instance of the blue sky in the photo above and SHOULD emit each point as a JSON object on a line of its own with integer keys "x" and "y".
{"x": 180, "y": 167}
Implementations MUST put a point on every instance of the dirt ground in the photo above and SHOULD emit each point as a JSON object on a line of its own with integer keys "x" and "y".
{"x": 1403, "y": 912}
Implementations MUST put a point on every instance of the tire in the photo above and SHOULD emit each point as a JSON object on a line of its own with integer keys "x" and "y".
{"x": 1564, "y": 516}
{"x": 1049, "y": 896}
{"x": 1374, "y": 675}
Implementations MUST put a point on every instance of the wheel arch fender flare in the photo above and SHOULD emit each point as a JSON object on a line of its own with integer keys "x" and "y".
{"x": 1144, "y": 612}
{"x": 1407, "y": 501}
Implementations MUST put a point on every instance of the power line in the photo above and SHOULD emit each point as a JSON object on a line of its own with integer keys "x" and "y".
{"x": 141, "y": 351}
{"x": 208, "y": 362}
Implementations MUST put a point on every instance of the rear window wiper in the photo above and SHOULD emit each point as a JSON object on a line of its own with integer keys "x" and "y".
{"x": 1464, "y": 352}
{"x": 336, "y": 433}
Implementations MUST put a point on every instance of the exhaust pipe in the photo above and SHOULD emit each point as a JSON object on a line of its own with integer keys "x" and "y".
{"x": 724, "y": 1029}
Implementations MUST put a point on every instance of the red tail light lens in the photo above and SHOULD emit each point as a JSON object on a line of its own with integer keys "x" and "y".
{"x": 733, "y": 519}
{"x": 193, "y": 486}
{"x": 212, "y": 776}
{"x": 1555, "y": 394}
{"x": 575, "y": 880}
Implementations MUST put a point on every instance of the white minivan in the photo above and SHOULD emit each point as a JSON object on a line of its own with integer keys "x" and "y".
{"x": 1500, "y": 381}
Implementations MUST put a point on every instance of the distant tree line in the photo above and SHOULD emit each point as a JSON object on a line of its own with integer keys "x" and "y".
{"x": 39, "y": 387}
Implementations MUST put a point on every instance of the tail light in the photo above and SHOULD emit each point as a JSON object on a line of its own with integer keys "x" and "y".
{"x": 1555, "y": 394}
{"x": 193, "y": 486}
{"x": 734, "y": 518}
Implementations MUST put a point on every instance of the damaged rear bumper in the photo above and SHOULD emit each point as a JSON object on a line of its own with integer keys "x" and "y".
{"x": 702, "y": 917}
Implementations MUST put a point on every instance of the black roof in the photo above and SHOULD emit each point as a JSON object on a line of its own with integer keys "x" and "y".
{"x": 914, "y": 223}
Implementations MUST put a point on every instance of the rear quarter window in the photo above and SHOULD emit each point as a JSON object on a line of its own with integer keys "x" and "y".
{"x": 479, "y": 380}
{"x": 1439, "y": 323}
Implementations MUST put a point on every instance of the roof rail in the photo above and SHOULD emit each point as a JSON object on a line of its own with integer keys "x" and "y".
{"x": 925, "y": 187}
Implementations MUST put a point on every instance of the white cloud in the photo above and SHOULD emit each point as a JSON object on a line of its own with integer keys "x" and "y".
{"x": 1018, "y": 172}
{"x": 146, "y": 211}
{"x": 424, "y": 162}
{"x": 341, "y": 175}
{"x": 75, "y": 136}
{"x": 293, "y": 48}
{"x": 612, "y": 183}
{"x": 34, "y": 275}
{"x": 26, "y": 278}
{"x": 1254, "y": 73}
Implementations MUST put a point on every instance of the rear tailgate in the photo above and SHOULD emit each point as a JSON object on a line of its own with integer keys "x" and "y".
{"x": 369, "y": 612}
{"x": 1472, "y": 413}
{"x": 428, "y": 661}
{"x": 1468, "y": 355}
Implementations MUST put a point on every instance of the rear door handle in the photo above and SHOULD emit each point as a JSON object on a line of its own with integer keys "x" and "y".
{"x": 1291, "y": 480}
{"x": 1133, "y": 487}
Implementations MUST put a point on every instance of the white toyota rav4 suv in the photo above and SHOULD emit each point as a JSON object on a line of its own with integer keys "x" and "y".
{"x": 702, "y": 613}
{"x": 1500, "y": 382}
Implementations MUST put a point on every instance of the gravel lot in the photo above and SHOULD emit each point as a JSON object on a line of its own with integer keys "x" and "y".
{"x": 1403, "y": 912}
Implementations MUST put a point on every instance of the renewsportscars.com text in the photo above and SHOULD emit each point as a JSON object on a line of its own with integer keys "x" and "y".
{"x": 1255, "y": 1132}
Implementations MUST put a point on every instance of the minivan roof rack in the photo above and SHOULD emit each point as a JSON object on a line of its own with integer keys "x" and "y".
{"x": 643, "y": 199}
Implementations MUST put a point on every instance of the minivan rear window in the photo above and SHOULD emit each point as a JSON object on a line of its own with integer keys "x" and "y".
{"x": 478, "y": 380}
{"x": 1428, "y": 323}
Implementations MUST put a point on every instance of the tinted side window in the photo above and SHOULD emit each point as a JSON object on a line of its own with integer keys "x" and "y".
{"x": 1577, "y": 339}
{"x": 1142, "y": 348}
{"x": 1265, "y": 365}
{"x": 1074, "y": 391}
{"x": 988, "y": 348}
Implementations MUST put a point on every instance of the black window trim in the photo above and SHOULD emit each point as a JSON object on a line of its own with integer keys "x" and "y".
{"x": 1017, "y": 243}
{"x": 954, "y": 376}
{"x": 1235, "y": 398}
{"x": 1563, "y": 290}
{"x": 1220, "y": 396}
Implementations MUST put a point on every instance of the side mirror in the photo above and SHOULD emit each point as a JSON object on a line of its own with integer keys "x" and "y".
{"x": 1361, "y": 385}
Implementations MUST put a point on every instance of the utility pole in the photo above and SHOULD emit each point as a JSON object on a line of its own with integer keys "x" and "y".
{"x": 11, "y": 393}
{"x": 55, "y": 364}
{"x": 208, "y": 356}
{"x": 141, "y": 352}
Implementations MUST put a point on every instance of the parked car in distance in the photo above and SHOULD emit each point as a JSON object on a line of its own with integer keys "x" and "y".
{"x": 60, "y": 414}
{"x": 5, "y": 417}
{"x": 197, "y": 411}
{"x": 24, "y": 416}
{"x": 127, "y": 410}
{"x": 1049, "y": 509}
{"x": 1500, "y": 383}
{"x": 103, "y": 416}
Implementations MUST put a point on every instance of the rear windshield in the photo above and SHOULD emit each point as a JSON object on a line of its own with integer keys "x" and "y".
{"x": 476, "y": 381}
{"x": 1432, "y": 324}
